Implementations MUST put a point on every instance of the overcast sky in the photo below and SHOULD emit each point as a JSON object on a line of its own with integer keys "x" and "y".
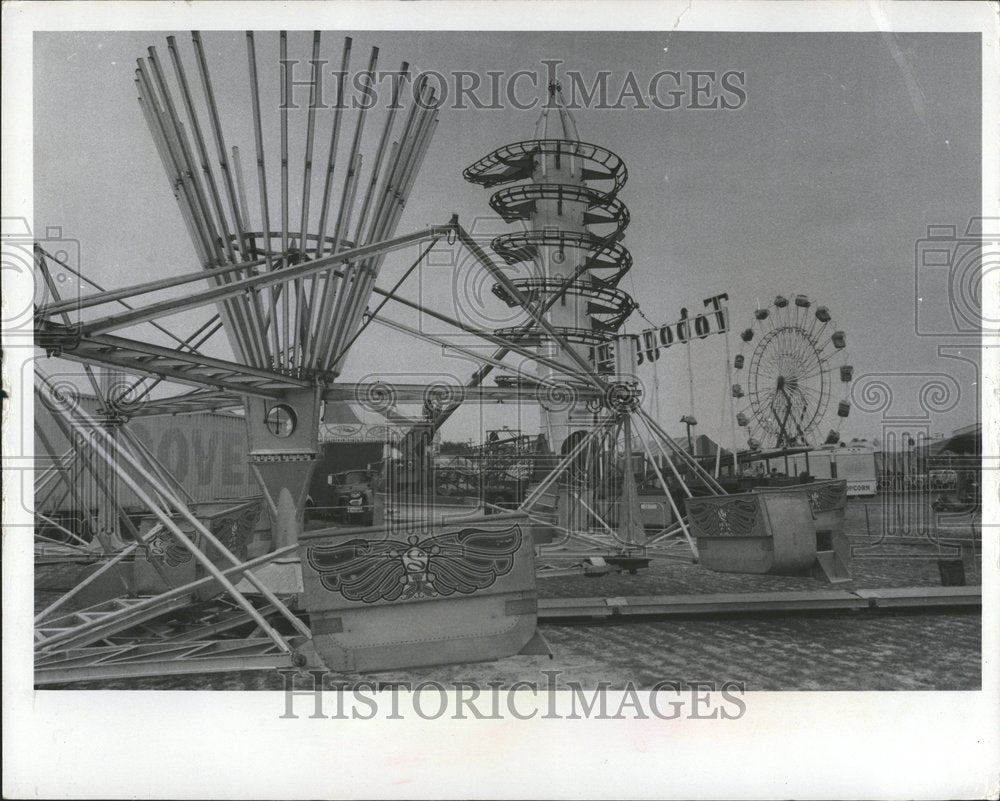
{"x": 848, "y": 146}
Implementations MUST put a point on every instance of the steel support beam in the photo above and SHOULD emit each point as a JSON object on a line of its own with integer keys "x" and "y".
{"x": 185, "y": 368}
{"x": 417, "y": 393}
{"x": 283, "y": 276}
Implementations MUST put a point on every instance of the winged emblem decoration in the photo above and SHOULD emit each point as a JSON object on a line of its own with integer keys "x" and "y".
{"x": 164, "y": 546}
{"x": 235, "y": 531}
{"x": 729, "y": 518}
{"x": 828, "y": 496}
{"x": 463, "y": 562}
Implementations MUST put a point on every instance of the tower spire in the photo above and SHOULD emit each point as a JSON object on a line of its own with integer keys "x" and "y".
{"x": 555, "y": 121}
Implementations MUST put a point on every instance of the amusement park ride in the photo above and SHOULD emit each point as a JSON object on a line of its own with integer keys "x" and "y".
{"x": 174, "y": 587}
{"x": 796, "y": 362}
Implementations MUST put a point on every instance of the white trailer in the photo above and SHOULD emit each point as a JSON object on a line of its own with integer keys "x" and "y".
{"x": 856, "y": 463}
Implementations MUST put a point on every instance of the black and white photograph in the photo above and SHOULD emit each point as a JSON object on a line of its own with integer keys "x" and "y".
{"x": 465, "y": 399}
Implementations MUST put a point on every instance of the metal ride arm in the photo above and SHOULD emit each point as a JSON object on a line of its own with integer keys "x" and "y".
{"x": 211, "y": 326}
{"x": 104, "y": 296}
{"x": 86, "y": 582}
{"x": 544, "y": 305}
{"x": 201, "y": 371}
{"x": 586, "y": 368}
{"x": 491, "y": 361}
{"x": 184, "y": 368}
{"x": 85, "y": 345}
{"x": 416, "y": 393}
{"x": 174, "y": 305}
{"x": 371, "y": 315}
{"x": 142, "y": 610}
{"x": 559, "y": 469}
{"x": 196, "y": 401}
{"x": 705, "y": 476}
{"x": 562, "y": 368}
{"x": 67, "y": 479}
{"x": 79, "y": 419}
{"x": 666, "y": 490}
{"x": 214, "y": 324}
{"x": 67, "y": 431}
{"x": 443, "y": 415}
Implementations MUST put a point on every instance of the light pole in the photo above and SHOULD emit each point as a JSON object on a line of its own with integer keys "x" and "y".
{"x": 689, "y": 421}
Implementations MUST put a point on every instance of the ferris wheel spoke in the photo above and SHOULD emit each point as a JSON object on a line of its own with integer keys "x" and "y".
{"x": 764, "y": 351}
{"x": 809, "y": 387}
{"x": 805, "y": 404}
{"x": 805, "y": 371}
{"x": 778, "y": 354}
{"x": 775, "y": 366}
{"x": 819, "y": 367}
{"x": 809, "y": 396}
{"x": 820, "y": 401}
{"x": 789, "y": 316}
{"x": 770, "y": 320}
{"x": 767, "y": 395}
{"x": 768, "y": 361}
{"x": 771, "y": 368}
{"x": 799, "y": 375}
{"x": 787, "y": 355}
{"x": 801, "y": 349}
{"x": 808, "y": 350}
{"x": 808, "y": 412}
{"x": 792, "y": 366}
{"x": 794, "y": 350}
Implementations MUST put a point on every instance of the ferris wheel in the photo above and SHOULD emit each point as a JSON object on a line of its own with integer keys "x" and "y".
{"x": 792, "y": 376}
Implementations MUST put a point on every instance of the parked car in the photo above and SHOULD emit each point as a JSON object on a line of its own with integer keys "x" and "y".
{"x": 348, "y": 497}
{"x": 353, "y": 498}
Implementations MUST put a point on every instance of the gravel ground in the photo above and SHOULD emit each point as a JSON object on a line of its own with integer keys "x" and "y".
{"x": 843, "y": 651}
{"x": 829, "y": 652}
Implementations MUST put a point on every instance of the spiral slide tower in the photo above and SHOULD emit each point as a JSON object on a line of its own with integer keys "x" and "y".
{"x": 565, "y": 192}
